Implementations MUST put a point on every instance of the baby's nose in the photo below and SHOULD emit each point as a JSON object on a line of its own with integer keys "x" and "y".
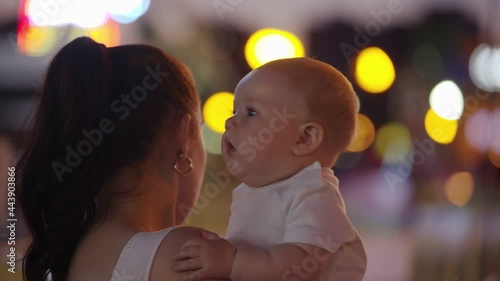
{"x": 230, "y": 123}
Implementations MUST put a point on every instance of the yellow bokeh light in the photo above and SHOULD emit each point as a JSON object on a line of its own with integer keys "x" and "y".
{"x": 217, "y": 109}
{"x": 375, "y": 71}
{"x": 36, "y": 41}
{"x": 107, "y": 34}
{"x": 440, "y": 130}
{"x": 393, "y": 142}
{"x": 459, "y": 188}
{"x": 271, "y": 44}
{"x": 42, "y": 40}
{"x": 363, "y": 135}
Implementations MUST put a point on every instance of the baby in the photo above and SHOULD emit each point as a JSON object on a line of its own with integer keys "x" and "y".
{"x": 292, "y": 119}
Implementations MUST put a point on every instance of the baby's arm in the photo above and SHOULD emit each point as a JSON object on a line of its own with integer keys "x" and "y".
{"x": 218, "y": 258}
{"x": 280, "y": 262}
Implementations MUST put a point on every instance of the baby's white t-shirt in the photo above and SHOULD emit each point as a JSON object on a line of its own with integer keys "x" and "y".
{"x": 305, "y": 208}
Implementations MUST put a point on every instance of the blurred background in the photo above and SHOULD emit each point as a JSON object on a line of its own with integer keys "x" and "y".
{"x": 421, "y": 180}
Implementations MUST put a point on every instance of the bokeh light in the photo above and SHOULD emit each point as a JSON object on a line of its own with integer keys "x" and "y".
{"x": 495, "y": 127}
{"x": 127, "y": 11}
{"x": 36, "y": 40}
{"x": 107, "y": 34}
{"x": 363, "y": 135}
{"x": 85, "y": 14}
{"x": 459, "y": 188}
{"x": 484, "y": 67}
{"x": 440, "y": 130}
{"x": 393, "y": 142}
{"x": 478, "y": 130}
{"x": 482, "y": 131}
{"x": 211, "y": 139}
{"x": 447, "y": 100}
{"x": 479, "y": 65}
{"x": 358, "y": 104}
{"x": 271, "y": 44}
{"x": 375, "y": 71}
{"x": 217, "y": 109}
{"x": 39, "y": 33}
{"x": 495, "y": 69}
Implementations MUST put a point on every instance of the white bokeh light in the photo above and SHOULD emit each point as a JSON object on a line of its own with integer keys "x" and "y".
{"x": 84, "y": 13}
{"x": 127, "y": 11}
{"x": 447, "y": 100}
{"x": 484, "y": 67}
{"x": 495, "y": 69}
{"x": 88, "y": 14}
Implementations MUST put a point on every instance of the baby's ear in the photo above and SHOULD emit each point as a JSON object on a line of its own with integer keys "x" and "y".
{"x": 311, "y": 136}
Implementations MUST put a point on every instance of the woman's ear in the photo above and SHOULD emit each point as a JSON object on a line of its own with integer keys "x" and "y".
{"x": 311, "y": 136}
{"x": 183, "y": 137}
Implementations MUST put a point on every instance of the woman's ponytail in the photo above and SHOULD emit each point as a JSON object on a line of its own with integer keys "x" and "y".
{"x": 84, "y": 132}
{"x": 56, "y": 169}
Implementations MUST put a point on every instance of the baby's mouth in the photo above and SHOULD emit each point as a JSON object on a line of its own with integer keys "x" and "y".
{"x": 230, "y": 149}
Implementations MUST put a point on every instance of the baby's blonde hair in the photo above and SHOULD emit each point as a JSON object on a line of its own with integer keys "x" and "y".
{"x": 329, "y": 96}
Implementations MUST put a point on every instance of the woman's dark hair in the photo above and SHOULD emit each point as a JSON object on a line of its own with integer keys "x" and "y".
{"x": 99, "y": 110}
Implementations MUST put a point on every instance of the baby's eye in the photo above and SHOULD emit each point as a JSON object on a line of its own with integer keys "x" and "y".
{"x": 251, "y": 112}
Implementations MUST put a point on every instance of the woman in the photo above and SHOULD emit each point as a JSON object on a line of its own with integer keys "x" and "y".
{"x": 115, "y": 150}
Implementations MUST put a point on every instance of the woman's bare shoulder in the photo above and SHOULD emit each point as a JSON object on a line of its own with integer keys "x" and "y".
{"x": 163, "y": 264}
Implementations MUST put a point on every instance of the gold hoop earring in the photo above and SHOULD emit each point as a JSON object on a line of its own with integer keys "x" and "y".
{"x": 190, "y": 165}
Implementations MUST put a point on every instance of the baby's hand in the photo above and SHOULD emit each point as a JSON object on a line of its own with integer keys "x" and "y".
{"x": 208, "y": 257}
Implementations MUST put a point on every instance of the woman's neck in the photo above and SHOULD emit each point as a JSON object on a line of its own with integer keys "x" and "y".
{"x": 146, "y": 204}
